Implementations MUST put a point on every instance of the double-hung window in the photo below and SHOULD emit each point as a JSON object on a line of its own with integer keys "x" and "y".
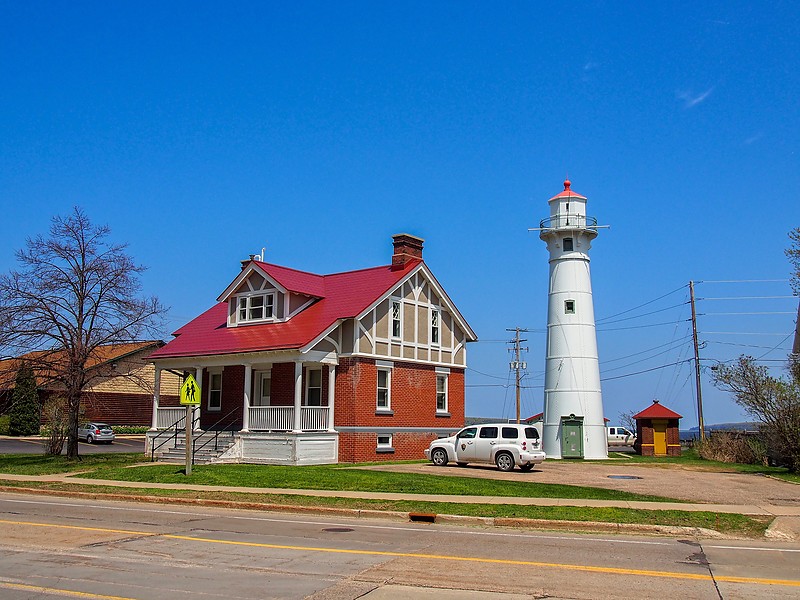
{"x": 259, "y": 307}
{"x": 215, "y": 391}
{"x": 384, "y": 398}
{"x": 441, "y": 392}
{"x": 314, "y": 387}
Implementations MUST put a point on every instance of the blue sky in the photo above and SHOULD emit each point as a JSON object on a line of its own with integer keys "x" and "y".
{"x": 202, "y": 131}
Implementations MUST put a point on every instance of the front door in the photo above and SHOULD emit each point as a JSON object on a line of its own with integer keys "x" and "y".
{"x": 571, "y": 438}
{"x": 660, "y": 437}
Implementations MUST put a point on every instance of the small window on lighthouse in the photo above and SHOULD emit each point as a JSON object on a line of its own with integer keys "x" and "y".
{"x": 569, "y": 307}
{"x": 567, "y": 244}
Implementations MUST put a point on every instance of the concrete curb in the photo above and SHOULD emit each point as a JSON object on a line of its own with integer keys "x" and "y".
{"x": 405, "y": 517}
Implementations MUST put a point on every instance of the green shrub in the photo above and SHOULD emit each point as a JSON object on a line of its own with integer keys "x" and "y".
{"x": 24, "y": 416}
{"x": 130, "y": 429}
{"x": 4, "y": 424}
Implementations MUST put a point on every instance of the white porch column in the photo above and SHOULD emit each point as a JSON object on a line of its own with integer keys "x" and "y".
{"x": 248, "y": 383}
{"x": 156, "y": 398}
{"x": 198, "y": 375}
{"x": 298, "y": 394}
{"x": 331, "y": 395}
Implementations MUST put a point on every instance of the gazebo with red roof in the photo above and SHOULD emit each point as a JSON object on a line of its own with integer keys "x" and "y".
{"x": 657, "y": 431}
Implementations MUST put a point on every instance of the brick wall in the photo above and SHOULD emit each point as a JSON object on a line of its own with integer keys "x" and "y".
{"x": 232, "y": 400}
{"x": 413, "y": 404}
{"x": 362, "y": 446}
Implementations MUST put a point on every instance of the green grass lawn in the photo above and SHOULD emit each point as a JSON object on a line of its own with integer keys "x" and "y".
{"x": 689, "y": 458}
{"x": 338, "y": 477}
{"x": 42, "y": 464}
{"x": 733, "y": 524}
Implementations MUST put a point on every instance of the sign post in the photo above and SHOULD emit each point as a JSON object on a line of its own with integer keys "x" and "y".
{"x": 190, "y": 397}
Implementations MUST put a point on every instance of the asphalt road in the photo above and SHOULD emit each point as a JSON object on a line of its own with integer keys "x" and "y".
{"x": 63, "y": 547}
{"x": 31, "y": 445}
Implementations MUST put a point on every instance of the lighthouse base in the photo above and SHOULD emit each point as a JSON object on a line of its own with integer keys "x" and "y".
{"x": 572, "y": 437}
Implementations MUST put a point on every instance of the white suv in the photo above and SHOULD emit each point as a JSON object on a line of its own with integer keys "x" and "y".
{"x": 504, "y": 444}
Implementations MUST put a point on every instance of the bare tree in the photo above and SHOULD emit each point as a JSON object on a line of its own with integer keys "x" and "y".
{"x": 74, "y": 292}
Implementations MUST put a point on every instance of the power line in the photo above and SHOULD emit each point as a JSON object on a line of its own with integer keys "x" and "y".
{"x": 745, "y": 281}
{"x": 646, "y": 370}
{"x": 643, "y": 326}
{"x": 791, "y": 312}
{"x": 749, "y": 298}
{"x": 641, "y": 305}
{"x": 683, "y": 339}
{"x": 648, "y": 314}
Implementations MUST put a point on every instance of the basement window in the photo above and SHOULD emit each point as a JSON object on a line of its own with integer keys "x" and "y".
{"x": 384, "y": 443}
{"x": 569, "y": 307}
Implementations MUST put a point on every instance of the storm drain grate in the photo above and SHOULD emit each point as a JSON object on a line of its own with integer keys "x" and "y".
{"x": 337, "y": 529}
{"x": 624, "y": 477}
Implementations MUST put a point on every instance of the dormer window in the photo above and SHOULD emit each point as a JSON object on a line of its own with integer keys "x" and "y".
{"x": 257, "y": 307}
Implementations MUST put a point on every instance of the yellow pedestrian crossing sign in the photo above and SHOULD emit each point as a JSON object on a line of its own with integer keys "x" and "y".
{"x": 190, "y": 392}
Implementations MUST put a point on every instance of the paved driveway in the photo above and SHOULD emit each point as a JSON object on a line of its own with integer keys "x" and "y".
{"x": 31, "y": 445}
{"x": 663, "y": 480}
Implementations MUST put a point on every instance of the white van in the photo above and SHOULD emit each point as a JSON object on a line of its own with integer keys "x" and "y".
{"x": 620, "y": 436}
{"x": 504, "y": 444}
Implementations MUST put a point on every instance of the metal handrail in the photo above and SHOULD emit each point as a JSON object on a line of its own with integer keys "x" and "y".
{"x": 195, "y": 447}
{"x": 568, "y": 222}
{"x": 172, "y": 431}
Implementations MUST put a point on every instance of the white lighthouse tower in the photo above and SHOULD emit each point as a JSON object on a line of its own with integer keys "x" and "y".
{"x": 573, "y": 404}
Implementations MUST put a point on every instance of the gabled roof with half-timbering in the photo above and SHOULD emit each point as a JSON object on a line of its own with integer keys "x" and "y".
{"x": 334, "y": 297}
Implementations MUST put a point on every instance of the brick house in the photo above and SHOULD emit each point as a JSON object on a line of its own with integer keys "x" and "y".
{"x": 311, "y": 369}
{"x": 119, "y": 390}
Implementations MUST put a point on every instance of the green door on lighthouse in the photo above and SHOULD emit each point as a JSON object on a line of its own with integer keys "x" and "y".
{"x": 571, "y": 437}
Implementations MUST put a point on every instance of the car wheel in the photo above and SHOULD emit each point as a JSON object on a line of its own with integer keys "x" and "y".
{"x": 461, "y": 464}
{"x": 504, "y": 461}
{"x": 89, "y": 439}
{"x": 439, "y": 457}
{"x": 526, "y": 467}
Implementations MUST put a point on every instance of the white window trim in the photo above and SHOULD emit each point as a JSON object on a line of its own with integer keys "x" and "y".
{"x": 392, "y": 303}
{"x": 273, "y": 296}
{"x": 308, "y": 386}
{"x": 259, "y": 392}
{"x": 211, "y": 375}
{"x": 388, "y": 371}
{"x": 567, "y": 310}
{"x": 386, "y": 446}
{"x": 438, "y": 327}
{"x": 444, "y": 373}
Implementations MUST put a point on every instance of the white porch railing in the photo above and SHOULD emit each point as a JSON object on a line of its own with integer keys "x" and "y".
{"x": 314, "y": 418}
{"x": 271, "y": 418}
{"x": 281, "y": 418}
{"x": 166, "y": 416}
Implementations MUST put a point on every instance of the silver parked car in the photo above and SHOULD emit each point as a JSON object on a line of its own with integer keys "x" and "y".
{"x": 95, "y": 432}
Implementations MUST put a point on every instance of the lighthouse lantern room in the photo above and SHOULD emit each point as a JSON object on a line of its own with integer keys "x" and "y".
{"x": 573, "y": 424}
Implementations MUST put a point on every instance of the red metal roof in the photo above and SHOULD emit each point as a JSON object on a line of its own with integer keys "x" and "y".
{"x": 341, "y": 296}
{"x": 568, "y": 193}
{"x": 657, "y": 411}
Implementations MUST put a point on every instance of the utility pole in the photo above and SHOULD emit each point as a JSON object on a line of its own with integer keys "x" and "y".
{"x": 516, "y": 364}
{"x": 796, "y": 344}
{"x": 697, "y": 366}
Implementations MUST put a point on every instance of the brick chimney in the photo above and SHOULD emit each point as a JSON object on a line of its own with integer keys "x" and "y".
{"x": 406, "y": 247}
